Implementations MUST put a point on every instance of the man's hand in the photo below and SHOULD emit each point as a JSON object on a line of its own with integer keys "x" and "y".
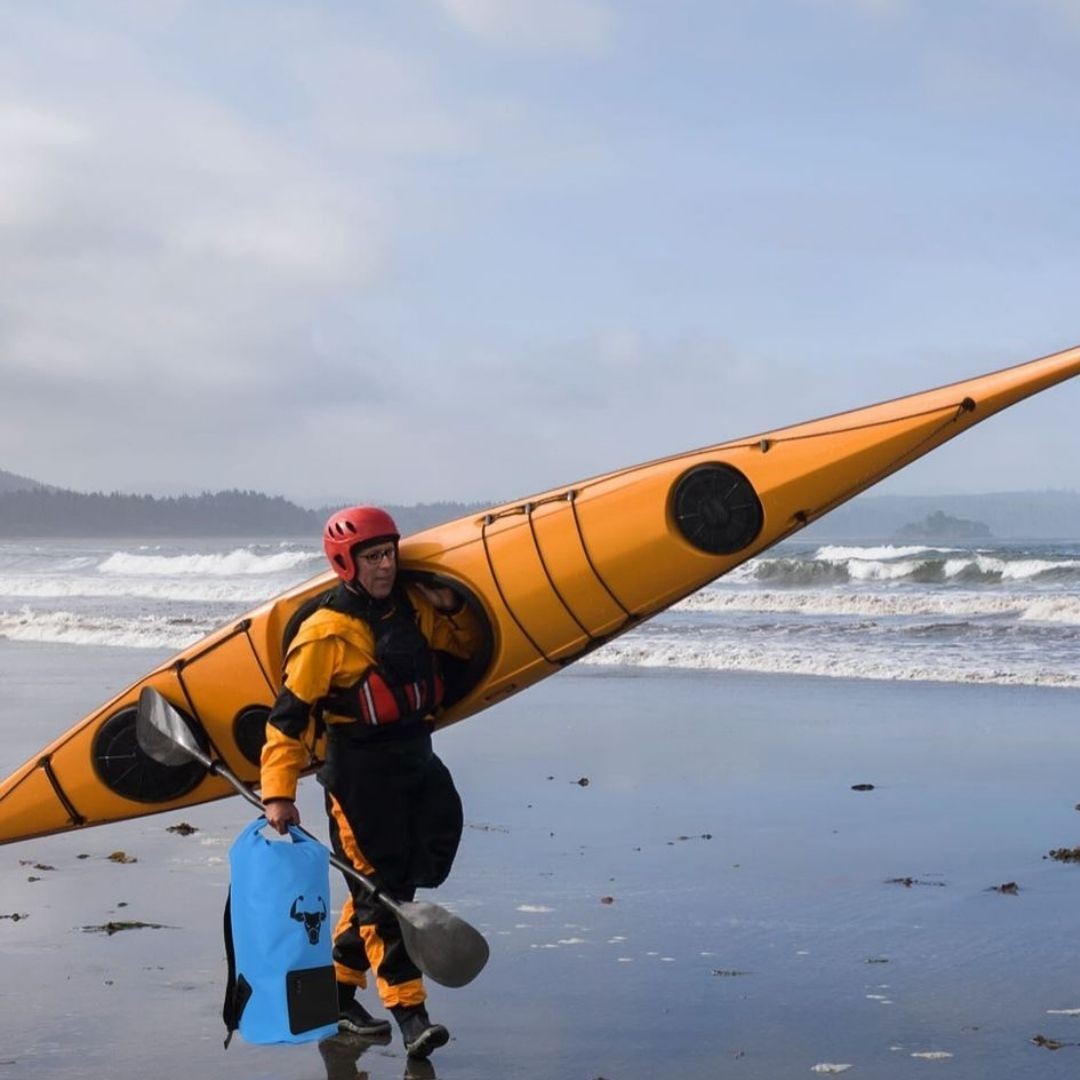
{"x": 442, "y": 598}
{"x": 280, "y": 814}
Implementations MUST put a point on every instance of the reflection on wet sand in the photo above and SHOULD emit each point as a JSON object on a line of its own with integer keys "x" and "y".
{"x": 340, "y": 1055}
{"x": 419, "y": 1069}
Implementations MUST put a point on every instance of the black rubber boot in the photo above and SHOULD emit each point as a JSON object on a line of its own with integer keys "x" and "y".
{"x": 355, "y": 1018}
{"x": 418, "y": 1033}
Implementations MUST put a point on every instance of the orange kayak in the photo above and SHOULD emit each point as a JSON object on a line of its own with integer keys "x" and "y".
{"x": 552, "y": 576}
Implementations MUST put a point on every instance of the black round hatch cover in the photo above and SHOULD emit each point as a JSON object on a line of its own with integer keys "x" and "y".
{"x": 717, "y": 509}
{"x": 126, "y": 769}
{"x": 249, "y": 731}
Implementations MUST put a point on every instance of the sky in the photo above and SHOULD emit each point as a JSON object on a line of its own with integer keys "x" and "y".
{"x": 415, "y": 250}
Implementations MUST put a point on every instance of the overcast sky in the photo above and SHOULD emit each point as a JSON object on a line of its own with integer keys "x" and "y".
{"x": 407, "y": 250}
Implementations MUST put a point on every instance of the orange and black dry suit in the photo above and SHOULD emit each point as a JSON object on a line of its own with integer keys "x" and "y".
{"x": 369, "y": 670}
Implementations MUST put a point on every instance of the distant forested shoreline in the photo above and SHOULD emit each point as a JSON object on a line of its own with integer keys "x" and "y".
{"x": 51, "y": 511}
{"x": 45, "y": 511}
{"x": 29, "y": 508}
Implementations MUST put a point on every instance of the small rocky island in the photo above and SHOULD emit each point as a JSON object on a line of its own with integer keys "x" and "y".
{"x": 942, "y": 526}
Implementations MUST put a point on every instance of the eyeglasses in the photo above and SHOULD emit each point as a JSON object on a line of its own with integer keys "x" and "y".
{"x": 373, "y": 558}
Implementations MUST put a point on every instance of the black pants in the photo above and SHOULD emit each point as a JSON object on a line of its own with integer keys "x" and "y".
{"x": 396, "y": 816}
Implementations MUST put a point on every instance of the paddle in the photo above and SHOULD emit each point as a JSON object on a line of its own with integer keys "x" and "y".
{"x": 440, "y": 944}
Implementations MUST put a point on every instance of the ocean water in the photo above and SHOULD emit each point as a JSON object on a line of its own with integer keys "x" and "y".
{"x": 993, "y": 613}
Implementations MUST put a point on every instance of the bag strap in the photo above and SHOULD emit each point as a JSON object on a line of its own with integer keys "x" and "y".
{"x": 237, "y": 990}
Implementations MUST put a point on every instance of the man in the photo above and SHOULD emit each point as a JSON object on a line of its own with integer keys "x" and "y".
{"x": 364, "y": 665}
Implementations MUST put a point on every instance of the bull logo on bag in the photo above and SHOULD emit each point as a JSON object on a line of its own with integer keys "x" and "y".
{"x": 312, "y": 920}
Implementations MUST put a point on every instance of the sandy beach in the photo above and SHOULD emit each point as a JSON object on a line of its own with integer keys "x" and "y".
{"x": 673, "y": 869}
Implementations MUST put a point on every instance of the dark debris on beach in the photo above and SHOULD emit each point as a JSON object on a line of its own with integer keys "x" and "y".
{"x": 15, "y": 916}
{"x": 907, "y": 882}
{"x": 1009, "y": 888}
{"x": 183, "y": 829}
{"x": 1050, "y": 1044}
{"x": 114, "y": 927}
{"x": 1064, "y": 855}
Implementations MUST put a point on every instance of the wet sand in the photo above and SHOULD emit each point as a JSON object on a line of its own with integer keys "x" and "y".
{"x": 716, "y": 900}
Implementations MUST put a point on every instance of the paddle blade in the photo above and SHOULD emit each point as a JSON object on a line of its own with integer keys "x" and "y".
{"x": 163, "y": 733}
{"x": 441, "y": 945}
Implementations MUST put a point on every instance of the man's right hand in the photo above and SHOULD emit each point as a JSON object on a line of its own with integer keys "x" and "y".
{"x": 280, "y": 814}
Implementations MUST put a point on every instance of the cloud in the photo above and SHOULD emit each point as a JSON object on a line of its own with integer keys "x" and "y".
{"x": 554, "y": 26}
{"x": 31, "y": 140}
{"x": 150, "y": 226}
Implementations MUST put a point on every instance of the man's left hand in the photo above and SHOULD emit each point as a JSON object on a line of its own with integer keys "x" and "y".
{"x": 441, "y": 597}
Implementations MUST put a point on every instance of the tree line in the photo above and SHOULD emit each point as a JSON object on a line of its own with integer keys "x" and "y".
{"x": 56, "y": 512}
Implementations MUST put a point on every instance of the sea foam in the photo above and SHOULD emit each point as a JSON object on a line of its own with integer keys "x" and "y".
{"x": 65, "y": 627}
{"x": 229, "y": 564}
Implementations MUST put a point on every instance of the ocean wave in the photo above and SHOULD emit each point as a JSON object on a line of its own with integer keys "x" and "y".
{"x": 219, "y": 590}
{"x": 1054, "y": 609}
{"x": 860, "y": 604}
{"x": 69, "y": 628}
{"x": 838, "y": 553}
{"x": 660, "y": 651}
{"x": 935, "y": 569}
{"x": 241, "y": 561}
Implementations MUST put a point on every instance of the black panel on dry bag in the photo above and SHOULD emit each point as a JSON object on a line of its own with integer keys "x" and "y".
{"x": 125, "y": 768}
{"x": 249, "y": 731}
{"x": 717, "y": 509}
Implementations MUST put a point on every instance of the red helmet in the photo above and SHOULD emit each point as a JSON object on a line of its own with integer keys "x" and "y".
{"x": 349, "y": 529}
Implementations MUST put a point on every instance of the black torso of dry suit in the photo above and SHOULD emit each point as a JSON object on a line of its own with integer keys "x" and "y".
{"x": 369, "y": 671}
{"x": 393, "y": 790}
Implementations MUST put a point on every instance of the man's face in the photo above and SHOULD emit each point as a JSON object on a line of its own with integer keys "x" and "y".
{"x": 376, "y": 568}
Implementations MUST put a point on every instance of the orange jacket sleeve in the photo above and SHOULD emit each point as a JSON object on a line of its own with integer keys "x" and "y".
{"x": 309, "y": 668}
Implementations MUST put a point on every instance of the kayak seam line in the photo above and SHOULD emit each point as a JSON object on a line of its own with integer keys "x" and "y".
{"x": 754, "y": 442}
{"x": 913, "y": 453}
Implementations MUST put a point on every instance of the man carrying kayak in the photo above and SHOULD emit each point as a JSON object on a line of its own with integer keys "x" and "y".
{"x": 364, "y": 667}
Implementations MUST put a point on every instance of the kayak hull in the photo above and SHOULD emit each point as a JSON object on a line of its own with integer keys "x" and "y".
{"x": 552, "y": 576}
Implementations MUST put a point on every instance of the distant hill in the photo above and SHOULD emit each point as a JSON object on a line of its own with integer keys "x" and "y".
{"x": 9, "y": 481}
{"x": 1018, "y": 515}
{"x": 940, "y": 526}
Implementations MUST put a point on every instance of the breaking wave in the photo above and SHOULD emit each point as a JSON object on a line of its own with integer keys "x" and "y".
{"x": 1051, "y": 607}
{"x": 241, "y": 561}
{"x": 921, "y": 566}
{"x": 251, "y": 591}
{"x": 766, "y": 657}
{"x": 69, "y": 628}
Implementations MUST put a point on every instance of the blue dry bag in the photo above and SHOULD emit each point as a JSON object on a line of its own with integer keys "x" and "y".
{"x": 281, "y": 986}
